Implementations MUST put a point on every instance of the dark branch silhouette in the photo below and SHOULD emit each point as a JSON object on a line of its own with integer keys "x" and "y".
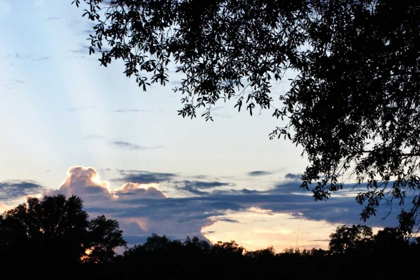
{"x": 353, "y": 106}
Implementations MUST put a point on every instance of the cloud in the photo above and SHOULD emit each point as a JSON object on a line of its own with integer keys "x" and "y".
{"x": 288, "y": 188}
{"x": 84, "y": 182}
{"x": 92, "y": 137}
{"x": 10, "y": 190}
{"x": 131, "y": 146}
{"x": 196, "y": 187}
{"x": 85, "y": 50}
{"x": 132, "y": 111}
{"x": 206, "y": 185}
{"x": 292, "y": 176}
{"x": 259, "y": 173}
{"x": 30, "y": 57}
{"x": 23, "y": 56}
{"x": 227, "y": 220}
{"x": 285, "y": 197}
{"x": 83, "y": 108}
{"x": 42, "y": 58}
{"x": 142, "y": 208}
{"x": 144, "y": 177}
{"x": 145, "y": 191}
{"x": 82, "y": 50}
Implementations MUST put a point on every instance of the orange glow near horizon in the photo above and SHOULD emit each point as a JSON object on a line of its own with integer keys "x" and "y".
{"x": 3, "y": 208}
{"x": 259, "y": 228}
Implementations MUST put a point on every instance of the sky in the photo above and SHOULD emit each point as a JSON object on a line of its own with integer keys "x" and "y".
{"x": 71, "y": 126}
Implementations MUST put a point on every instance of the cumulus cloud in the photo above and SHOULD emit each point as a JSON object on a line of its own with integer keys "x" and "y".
{"x": 10, "y": 190}
{"x": 84, "y": 182}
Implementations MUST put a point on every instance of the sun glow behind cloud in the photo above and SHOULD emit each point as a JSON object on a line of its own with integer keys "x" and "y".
{"x": 86, "y": 181}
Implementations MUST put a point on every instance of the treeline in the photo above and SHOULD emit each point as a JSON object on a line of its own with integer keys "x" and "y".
{"x": 354, "y": 252}
{"x": 52, "y": 238}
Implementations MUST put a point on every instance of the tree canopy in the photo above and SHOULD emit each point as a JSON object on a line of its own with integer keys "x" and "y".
{"x": 353, "y": 105}
{"x": 346, "y": 238}
{"x": 56, "y": 231}
{"x": 354, "y": 252}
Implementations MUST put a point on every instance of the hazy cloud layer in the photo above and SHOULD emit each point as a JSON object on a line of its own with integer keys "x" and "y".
{"x": 131, "y": 146}
{"x": 132, "y": 111}
{"x": 199, "y": 187}
{"x": 31, "y": 57}
{"x": 82, "y": 108}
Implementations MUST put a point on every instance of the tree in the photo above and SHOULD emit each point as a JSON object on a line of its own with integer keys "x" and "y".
{"x": 55, "y": 231}
{"x": 391, "y": 239}
{"x": 353, "y": 106}
{"x": 345, "y": 239}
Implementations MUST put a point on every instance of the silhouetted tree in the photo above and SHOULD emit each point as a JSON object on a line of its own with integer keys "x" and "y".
{"x": 391, "y": 242}
{"x": 227, "y": 249}
{"x": 263, "y": 254}
{"x": 197, "y": 244}
{"x": 354, "y": 101}
{"x": 56, "y": 232}
{"x": 345, "y": 238}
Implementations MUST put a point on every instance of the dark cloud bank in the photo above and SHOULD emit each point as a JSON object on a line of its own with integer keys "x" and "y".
{"x": 10, "y": 190}
{"x": 143, "y": 208}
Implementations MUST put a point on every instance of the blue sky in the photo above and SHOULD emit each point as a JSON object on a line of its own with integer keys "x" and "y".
{"x": 222, "y": 180}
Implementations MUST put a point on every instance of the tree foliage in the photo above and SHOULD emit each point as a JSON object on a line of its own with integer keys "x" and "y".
{"x": 346, "y": 238}
{"x": 56, "y": 231}
{"x": 353, "y": 106}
